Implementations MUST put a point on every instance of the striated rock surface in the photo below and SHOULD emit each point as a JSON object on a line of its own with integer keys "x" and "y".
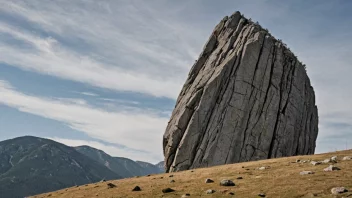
{"x": 246, "y": 98}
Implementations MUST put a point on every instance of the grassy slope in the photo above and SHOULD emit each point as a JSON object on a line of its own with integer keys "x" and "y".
{"x": 281, "y": 180}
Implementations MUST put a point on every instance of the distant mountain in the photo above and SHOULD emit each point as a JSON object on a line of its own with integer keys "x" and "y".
{"x": 149, "y": 168}
{"x": 161, "y": 167}
{"x": 31, "y": 165}
{"x": 122, "y": 166}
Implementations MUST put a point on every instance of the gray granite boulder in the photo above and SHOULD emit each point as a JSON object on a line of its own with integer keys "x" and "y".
{"x": 246, "y": 98}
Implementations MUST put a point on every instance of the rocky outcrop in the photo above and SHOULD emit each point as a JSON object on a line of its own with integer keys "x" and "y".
{"x": 246, "y": 98}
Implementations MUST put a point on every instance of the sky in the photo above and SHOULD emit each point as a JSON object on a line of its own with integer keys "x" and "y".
{"x": 107, "y": 73}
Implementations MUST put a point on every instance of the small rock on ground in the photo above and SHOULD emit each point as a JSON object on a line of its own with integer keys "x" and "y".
{"x": 111, "y": 185}
{"x": 137, "y": 188}
{"x": 226, "y": 182}
{"x": 334, "y": 158}
{"x": 209, "y": 181}
{"x": 306, "y": 173}
{"x": 347, "y": 158}
{"x": 262, "y": 168}
{"x": 315, "y": 163}
{"x": 326, "y": 161}
{"x": 171, "y": 175}
{"x": 261, "y": 195}
{"x": 239, "y": 178}
{"x": 172, "y": 181}
{"x": 331, "y": 168}
{"x": 231, "y": 193}
{"x": 167, "y": 190}
{"x": 210, "y": 191}
{"x": 186, "y": 195}
{"x": 338, "y": 190}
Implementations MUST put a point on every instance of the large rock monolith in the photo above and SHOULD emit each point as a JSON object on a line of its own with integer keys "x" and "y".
{"x": 246, "y": 98}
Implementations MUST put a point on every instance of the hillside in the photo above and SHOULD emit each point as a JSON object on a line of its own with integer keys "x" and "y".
{"x": 31, "y": 165}
{"x": 122, "y": 166}
{"x": 281, "y": 178}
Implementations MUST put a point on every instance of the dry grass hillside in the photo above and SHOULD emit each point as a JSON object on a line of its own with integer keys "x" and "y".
{"x": 281, "y": 179}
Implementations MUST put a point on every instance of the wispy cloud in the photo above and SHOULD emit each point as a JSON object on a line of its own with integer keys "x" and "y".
{"x": 134, "y": 129}
{"x": 148, "y": 47}
{"x": 49, "y": 57}
{"x": 87, "y": 93}
{"x": 112, "y": 57}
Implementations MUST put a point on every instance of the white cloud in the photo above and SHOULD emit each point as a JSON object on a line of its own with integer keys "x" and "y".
{"x": 148, "y": 47}
{"x": 87, "y": 93}
{"x": 129, "y": 49}
{"x": 120, "y": 101}
{"x": 52, "y": 59}
{"x": 134, "y": 128}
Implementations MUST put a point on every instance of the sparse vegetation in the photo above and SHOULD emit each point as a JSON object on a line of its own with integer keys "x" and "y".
{"x": 281, "y": 179}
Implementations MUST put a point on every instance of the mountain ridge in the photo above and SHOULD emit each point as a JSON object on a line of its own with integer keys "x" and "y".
{"x": 32, "y": 165}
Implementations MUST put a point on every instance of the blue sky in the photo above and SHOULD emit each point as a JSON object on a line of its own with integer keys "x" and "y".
{"x": 107, "y": 73}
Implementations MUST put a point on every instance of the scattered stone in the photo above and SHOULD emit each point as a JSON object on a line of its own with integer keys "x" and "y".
{"x": 326, "y": 161}
{"x": 315, "y": 163}
{"x": 167, "y": 190}
{"x": 298, "y": 161}
{"x": 103, "y": 180}
{"x": 239, "y": 178}
{"x": 226, "y": 182}
{"x": 209, "y": 181}
{"x": 261, "y": 195}
{"x": 334, "y": 158}
{"x": 111, "y": 185}
{"x": 338, "y": 190}
{"x": 231, "y": 193}
{"x": 186, "y": 195}
{"x": 210, "y": 191}
{"x": 247, "y": 169}
{"x": 148, "y": 175}
{"x": 331, "y": 168}
{"x": 306, "y": 173}
{"x": 137, "y": 188}
{"x": 161, "y": 177}
{"x": 347, "y": 158}
{"x": 242, "y": 166}
{"x": 171, "y": 175}
{"x": 172, "y": 181}
{"x": 264, "y": 167}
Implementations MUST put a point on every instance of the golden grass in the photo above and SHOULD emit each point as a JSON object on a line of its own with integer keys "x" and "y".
{"x": 281, "y": 180}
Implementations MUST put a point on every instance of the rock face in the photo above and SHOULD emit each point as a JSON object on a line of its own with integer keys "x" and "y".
{"x": 246, "y": 98}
